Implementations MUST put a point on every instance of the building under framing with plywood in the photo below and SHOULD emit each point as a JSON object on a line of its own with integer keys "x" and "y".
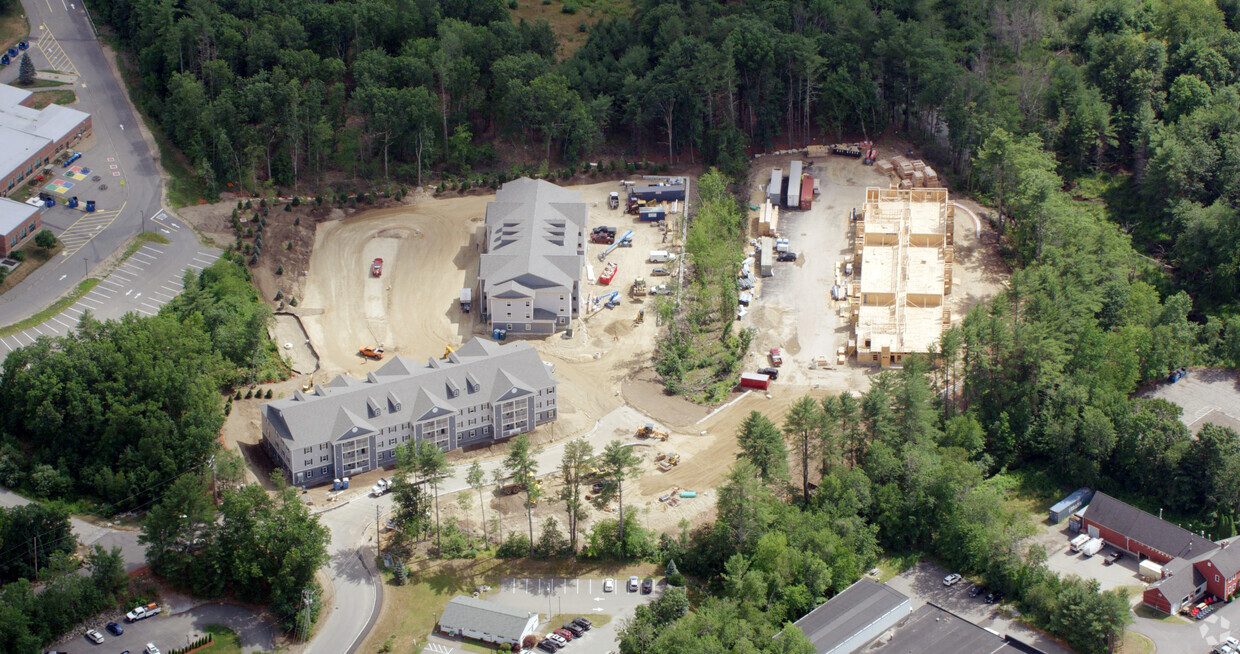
{"x": 904, "y": 243}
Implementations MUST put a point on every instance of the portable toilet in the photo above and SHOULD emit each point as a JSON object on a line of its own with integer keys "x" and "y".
{"x": 335, "y": 484}
{"x": 344, "y": 482}
{"x": 90, "y": 206}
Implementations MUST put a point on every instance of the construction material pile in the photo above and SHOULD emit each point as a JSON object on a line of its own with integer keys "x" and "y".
{"x": 911, "y": 173}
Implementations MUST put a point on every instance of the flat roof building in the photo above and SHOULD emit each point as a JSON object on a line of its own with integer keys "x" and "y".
{"x": 932, "y": 629}
{"x": 18, "y": 221}
{"x": 904, "y": 245}
{"x": 534, "y": 252}
{"x": 482, "y": 392}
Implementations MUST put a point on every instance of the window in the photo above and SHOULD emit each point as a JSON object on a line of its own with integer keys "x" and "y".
{"x": 323, "y": 471}
{"x": 1215, "y": 577}
{"x": 307, "y": 450}
{"x": 527, "y": 326}
{"x": 392, "y": 441}
{"x": 325, "y": 458}
{"x": 309, "y": 462}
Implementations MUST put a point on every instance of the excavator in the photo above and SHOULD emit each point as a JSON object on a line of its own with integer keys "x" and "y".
{"x": 448, "y": 350}
{"x": 372, "y": 352}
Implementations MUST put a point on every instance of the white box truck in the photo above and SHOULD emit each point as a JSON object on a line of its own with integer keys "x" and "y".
{"x": 1076, "y": 543}
{"x": 1092, "y": 547}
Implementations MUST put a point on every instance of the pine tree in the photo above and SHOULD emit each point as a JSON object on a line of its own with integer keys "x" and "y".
{"x": 25, "y": 75}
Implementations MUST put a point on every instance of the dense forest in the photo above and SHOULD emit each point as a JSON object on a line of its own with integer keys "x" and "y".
{"x": 117, "y": 409}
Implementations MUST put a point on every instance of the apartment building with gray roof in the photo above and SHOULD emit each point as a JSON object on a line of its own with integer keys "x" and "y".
{"x": 480, "y": 393}
{"x": 530, "y": 271}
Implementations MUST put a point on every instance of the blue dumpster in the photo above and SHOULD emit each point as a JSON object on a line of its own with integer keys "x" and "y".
{"x": 22, "y": 45}
{"x": 73, "y": 202}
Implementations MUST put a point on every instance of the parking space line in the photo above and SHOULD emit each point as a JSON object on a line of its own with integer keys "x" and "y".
{"x": 64, "y": 325}
{"x": 86, "y": 299}
{"x": 144, "y": 255}
{"x": 110, "y": 283}
{"x": 174, "y": 290}
{"x": 97, "y": 291}
{"x": 190, "y": 265}
{"x": 125, "y": 274}
{"x": 145, "y": 312}
{"x": 147, "y": 247}
{"x": 206, "y": 261}
{"x": 133, "y": 264}
{"x": 73, "y": 308}
{"x": 153, "y": 306}
{"x": 6, "y": 345}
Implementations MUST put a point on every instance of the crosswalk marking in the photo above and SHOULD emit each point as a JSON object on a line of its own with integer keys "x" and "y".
{"x": 77, "y": 235}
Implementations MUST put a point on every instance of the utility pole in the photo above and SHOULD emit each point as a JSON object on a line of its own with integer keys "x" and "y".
{"x": 85, "y": 267}
{"x": 36, "y": 557}
{"x": 142, "y": 212}
{"x": 307, "y": 598}
{"x": 378, "y": 534}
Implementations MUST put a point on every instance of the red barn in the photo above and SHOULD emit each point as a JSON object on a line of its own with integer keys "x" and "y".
{"x": 1192, "y": 565}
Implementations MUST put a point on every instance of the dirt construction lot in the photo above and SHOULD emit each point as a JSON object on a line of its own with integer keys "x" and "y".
{"x": 793, "y": 309}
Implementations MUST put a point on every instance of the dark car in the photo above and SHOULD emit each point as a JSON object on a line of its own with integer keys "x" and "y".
{"x": 584, "y": 623}
{"x": 786, "y": 256}
{"x": 773, "y": 373}
{"x": 994, "y": 596}
{"x": 115, "y": 629}
{"x": 548, "y": 646}
{"x": 573, "y": 629}
{"x": 647, "y": 585}
{"x": 976, "y": 590}
{"x": 1113, "y": 557}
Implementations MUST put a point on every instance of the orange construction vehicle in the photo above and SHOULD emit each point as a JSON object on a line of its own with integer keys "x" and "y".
{"x": 371, "y": 352}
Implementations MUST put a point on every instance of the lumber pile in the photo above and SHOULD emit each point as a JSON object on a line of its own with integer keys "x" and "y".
{"x": 885, "y": 167}
{"x": 818, "y": 150}
{"x": 932, "y": 178}
{"x": 903, "y": 167}
{"x": 768, "y": 219}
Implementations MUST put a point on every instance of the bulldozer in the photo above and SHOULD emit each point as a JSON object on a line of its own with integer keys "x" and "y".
{"x": 372, "y": 352}
{"x": 639, "y": 287}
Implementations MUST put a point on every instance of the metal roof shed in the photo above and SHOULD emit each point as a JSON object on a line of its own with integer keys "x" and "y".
{"x": 486, "y": 621}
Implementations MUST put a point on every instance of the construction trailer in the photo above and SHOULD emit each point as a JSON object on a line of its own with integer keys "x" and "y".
{"x": 671, "y": 190}
{"x": 651, "y": 214}
{"x": 773, "y": 188}
{"x": 755, "y": 380}
{"x": 793, "y": 199}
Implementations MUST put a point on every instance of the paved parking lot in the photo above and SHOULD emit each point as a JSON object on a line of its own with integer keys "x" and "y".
{"x": 1206, "y": 395}
{"x": 143, "y": 283}
{"x": 167, "y": 632}
{"x": 924, "y": 583}
{"x": 584, "y": 597}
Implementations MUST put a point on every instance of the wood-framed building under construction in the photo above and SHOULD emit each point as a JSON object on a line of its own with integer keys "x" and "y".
{"x": 904, "y": 243}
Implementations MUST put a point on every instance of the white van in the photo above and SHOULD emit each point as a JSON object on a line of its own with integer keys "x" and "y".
{"x": 661, "y": 256}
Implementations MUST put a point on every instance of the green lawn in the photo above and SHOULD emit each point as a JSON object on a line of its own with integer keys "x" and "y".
{"x": 59, "y": 305}
{"x": 13, "y": 25}
{"x": 226, "y": 641}
{"x": 45, "y": 98}
{"x": 1135, "y": 643}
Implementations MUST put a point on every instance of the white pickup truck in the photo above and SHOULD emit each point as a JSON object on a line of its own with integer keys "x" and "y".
{"x": 143, "y": 612}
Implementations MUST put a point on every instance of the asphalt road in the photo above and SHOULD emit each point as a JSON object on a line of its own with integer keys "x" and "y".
{"x": 142, "y": 284}
{"x": 90, "y": 534}
{"x": 61, "y": 39}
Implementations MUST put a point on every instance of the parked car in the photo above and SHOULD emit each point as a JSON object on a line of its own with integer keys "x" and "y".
{"x": 634, "y": 582}
{"x": 976, "y": 590}
{"x": 777, "y": 358}
{"x": 786, "y": 256}
{"x": 660, "y": 272}
{"x": 573, "y": 629}
{"x": 609, "y": 585}
{"x": 773, "y": 373}
{"x": 557, "y": 638}
{"x": 94, "y": 636}
{"x": 1113, "y": 557}
{"x": 151, "y": 649}
{"x": 564, "y": 633}
{"x": 647, "y": 585}
{"x": 546, "y": 646}
{"x": 951, "y": 579}
{"x": 661, "y": 289}
{"x": 115, "y": 629}
{"x": 376, "y": 267}
{"x": 584, "y": 623}
{"x": 994, "y": 596}
{"x": 554, "y": 645}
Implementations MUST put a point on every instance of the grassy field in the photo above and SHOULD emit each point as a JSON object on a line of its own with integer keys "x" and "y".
{"x": 570, "y": 19}
{"x": 1146, "y": 612}
{"x": 45, "y": 98}
{"x": 225, "y": 640}
{"x": 13, "y": 26}
{"x": 1135, "y": 643}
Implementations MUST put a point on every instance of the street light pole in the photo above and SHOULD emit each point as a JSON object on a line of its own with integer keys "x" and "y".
{"x": 142, "y": 212}
{"x": 85, "y": 266}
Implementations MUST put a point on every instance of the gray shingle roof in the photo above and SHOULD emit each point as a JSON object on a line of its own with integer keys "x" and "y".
{"x": 934, "y": 630}
{"x": 535, "y": 232}
{"x": 402, "y": 390}
{"x": 488, "y": 617}
{"x": 1145, "y": 528}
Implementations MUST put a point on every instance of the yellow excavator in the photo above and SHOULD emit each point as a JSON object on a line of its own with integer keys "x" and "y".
{"x": 448, "y": 350}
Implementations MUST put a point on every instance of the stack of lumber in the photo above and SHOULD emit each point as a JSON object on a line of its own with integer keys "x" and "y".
{"x": 885, "y": 167}
{"x": 768, "y": 219}
{"x": 932, "y": 178}
{"x": 818, "y": 150}
{"x": 903, "y": 167}
{"x": 918, "y": 178}
{"x": 918, "y": 165}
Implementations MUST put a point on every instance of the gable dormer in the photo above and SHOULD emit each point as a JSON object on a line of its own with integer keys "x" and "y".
{"x": 451, "y": 388}
{"x": 471, "y": 383}
{"x": 393, "y": 403}
{"x": 373, "y": 408}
